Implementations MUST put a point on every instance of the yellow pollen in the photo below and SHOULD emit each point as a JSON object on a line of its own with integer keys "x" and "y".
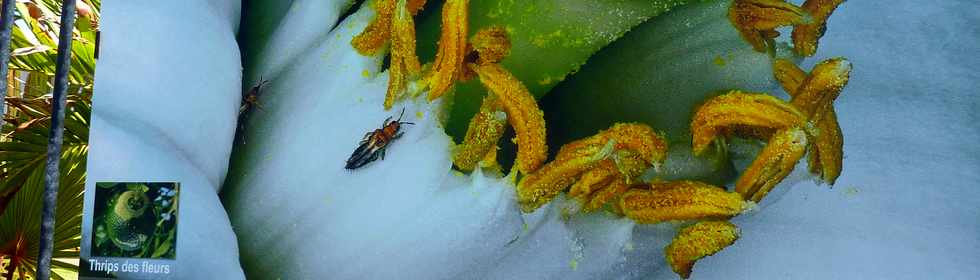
{"x": 789, "y": 75}
{"x": 404, "y": 64}
{"x": 697, "y": 241}
{"x": 680, "y": 201}
{"x": 491, "y": 45}
{"x": 816, "y": 98}
{"x": 448, "y": 66}
{"x": 817, "y": 93}
{"x": 591, "y": 180}
{"x": 485, "y": 130}
{"x": 377, "y": 33}
{"x": 805, "y": 36}
{"x": 523, "y": 114}
{"x": 738, "y": 109}
{"x": 610, "y": 192}
{"x": 776, "y": 160}
{"x": 757, "y": 20}
{"x": 622, "y": 140}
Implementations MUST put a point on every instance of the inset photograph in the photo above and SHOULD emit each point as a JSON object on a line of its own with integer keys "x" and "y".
{"x": 135, "y": 220}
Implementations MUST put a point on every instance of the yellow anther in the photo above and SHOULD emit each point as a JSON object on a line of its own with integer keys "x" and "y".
{"x": 404, "y": 64}
{"x": 788, "y": 74}
{"x": 827, "y": 149}
{"x": 741, "y": 110}
{"x": 485, "y": 130}
{"x": 542, "y": 186}
{"x": 697, "y": 241}
{"x": 394, "y": 23}
{"x": 594, "y": 179}
{"x": 814, "y": 94}
{"x": 583, "y": 155}
{"x": 776, "y": 160}
{"x": 448, "y": 66}
{"x": 491, "y": 45}
{"x": 757, "y": 20}
{"x": 817, "y": 93}
{"x": 680, "y": 200}
{"x": 610, "y": 192}
{"x": 631, "y": 165}
{"x": 523, "y": 114}
{"x": 377, "y": 33}
{"x": 805, "y": 36}
{"x": 639, "y": 139}
{"x": 414, "y": 6}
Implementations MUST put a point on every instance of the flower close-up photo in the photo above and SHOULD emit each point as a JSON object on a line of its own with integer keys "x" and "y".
{"x": 498, "y": 139}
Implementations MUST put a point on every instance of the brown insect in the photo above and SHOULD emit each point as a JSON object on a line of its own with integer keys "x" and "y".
{"x": 251, "y": 98}
{"x": 375, "y": 143}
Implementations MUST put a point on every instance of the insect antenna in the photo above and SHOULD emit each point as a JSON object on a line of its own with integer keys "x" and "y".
{"x": 400, "y": 118}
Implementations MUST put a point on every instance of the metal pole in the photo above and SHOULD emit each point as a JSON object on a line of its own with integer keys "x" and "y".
{"x": 51, "y": 174}
{"x": 6, "y": 25}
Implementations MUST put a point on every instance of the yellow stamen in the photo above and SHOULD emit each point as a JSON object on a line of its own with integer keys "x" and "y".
{"x": 404, "y": 64}
{"x": 822, "y": 87}
{"x": 741, "y": 109}
{"x": 583, "y": 155}
{"x": 593, "y": 179}
{"x": 757, "y": 20}
{"x": 542, "y": 186}
{"x": 789, "y": 75}
{"x": 805, "y": 36}
{"x": 680, "y": 200}
{"x": 631, "y": 165}
{"x": 485, "y": 130}
{"x": 776, "y": 160}
{"x": 827, "y": 149}
{"x": 377, "y": 33}
{"x": 448, "y": 66}
{"x": 523, "y": 114}
{"x": 697, "y": 241}
{"x": 817, "y": 93}
{"x": 599, "y": 198}
{"x": 491, "y": 45}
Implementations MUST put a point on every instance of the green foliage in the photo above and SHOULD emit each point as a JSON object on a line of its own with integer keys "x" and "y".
{"x": 25, "y": 130}
{"x": 20, "y": 224}
{"x": 35, "y": 40}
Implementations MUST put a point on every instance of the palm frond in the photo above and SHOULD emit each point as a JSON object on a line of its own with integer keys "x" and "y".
{"x": 25, "y": 150}
{"x": 20, "y": 223}
{"x": 35, "y": 40}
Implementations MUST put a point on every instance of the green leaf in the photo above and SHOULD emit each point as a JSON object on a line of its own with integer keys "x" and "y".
{"x": 21, "y": 219}
{"x": 163, "y": 248}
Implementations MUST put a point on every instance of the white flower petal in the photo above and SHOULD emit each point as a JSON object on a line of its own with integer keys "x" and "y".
{"x": 156, "y": 118}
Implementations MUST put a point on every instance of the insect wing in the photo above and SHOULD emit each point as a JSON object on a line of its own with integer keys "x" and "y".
{"x": 364, "y": 154}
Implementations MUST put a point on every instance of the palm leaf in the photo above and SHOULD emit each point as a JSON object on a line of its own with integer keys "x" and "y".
{"x": 27, "y": 135}
{"x": 35, "y": 41}
{"x": 21, "y": 223}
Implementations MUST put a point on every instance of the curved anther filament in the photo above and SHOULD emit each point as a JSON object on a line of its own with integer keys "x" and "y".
{"x": 485, "y": 130}
{"x": 822, "y": 86}
{"x": 697, "y": 241}
{"x": 680, "y": 201}
{"x": 774, "y": 163}
{"x": 757, "y": 20}
{"x": 448, "y": 66}
{"x": 522, "y": 111}
{"x": 805, "y": 36}
{"x": 738, "y": 109}
{"x": 621, "y": 141}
